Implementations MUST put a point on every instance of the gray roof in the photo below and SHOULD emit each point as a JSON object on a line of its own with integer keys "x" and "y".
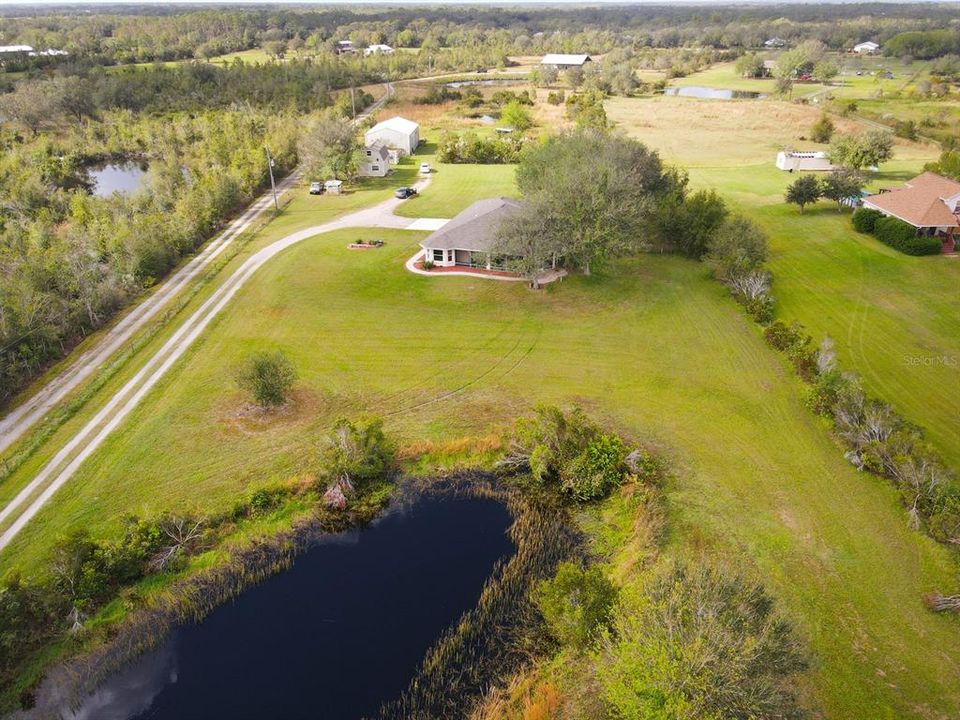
{"x": 378, "y": 150}
{"x": 475, "y": 228}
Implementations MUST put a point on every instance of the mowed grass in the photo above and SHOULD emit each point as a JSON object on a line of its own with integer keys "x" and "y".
{"x": 894, "y": 318}
{"x": 654, "y": 347}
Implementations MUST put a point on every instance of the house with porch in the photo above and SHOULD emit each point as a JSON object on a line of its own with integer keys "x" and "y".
{"x": 467, "y": 240}
{"x": 375, "y": 161}
{"x": 929, "y": 202}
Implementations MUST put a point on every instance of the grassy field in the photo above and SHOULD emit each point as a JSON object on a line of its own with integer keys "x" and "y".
{"x": 893, "y": 317}
{"x": 674, "y": 361}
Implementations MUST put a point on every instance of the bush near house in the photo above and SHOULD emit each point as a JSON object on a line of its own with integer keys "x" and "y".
{"x": 864, "y": 219}
{"x": 903, "y": 237}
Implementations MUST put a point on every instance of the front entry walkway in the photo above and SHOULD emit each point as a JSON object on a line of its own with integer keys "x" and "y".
{"x": 415, "y": 265}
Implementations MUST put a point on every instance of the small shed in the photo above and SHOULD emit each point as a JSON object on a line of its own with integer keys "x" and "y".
{"x": 333, "y": 187}
{"x": 866, "y": 48}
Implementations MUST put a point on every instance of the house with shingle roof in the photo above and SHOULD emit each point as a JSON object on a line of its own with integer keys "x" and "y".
{"x": 375, "y": 161}
{"x": 468, "y": 239}
{"x": 929, "y": 202}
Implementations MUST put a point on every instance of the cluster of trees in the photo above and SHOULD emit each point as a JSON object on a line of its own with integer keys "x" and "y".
{"x": 838, "y": 185}
{"x": 923, "y": 44}
{"x": 469, "y": 147}
{"x": 68, "y": 260}
{"x": 160, "y": 33}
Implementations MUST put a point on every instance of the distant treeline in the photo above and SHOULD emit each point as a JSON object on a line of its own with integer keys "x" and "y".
{"x": 176, "y": 32}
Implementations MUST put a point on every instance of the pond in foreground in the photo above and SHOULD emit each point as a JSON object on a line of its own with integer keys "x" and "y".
{"x": 334, "y": 637}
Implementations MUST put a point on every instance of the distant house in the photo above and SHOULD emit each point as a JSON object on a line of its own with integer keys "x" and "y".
{"x": 378, "y": 50}
{"x": 929, "y": 202}
{"x": 810, "y": 161}
{"x": 768, "y": 68}
{"x": 565, "y": 62}
{"x": 775, "y": 42}
{"x": 467, "y": 240}
{"x": 397, "y": 132}
{"x": 376, "y": 161}
{"x": 15, "y": 49}
{"x": 51, "y": 52}
{"x": 866, "y": 48}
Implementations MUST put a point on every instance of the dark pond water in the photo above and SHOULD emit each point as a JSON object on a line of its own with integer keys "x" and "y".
{"x": 713, "y": 93}
{"x": 335, "y": 636}
{"x": 123, "y": 177}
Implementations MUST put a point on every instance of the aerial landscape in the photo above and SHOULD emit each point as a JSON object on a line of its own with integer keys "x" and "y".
{"x": 496, "y": 361}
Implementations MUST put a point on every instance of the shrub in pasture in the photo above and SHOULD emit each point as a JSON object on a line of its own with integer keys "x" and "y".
{"x": 515, "y": 115}
{"x": 268, "y": 377}
{"x": 569, "y": 453}
{"x": 736, "y": 248}
{"x": 822, "y": 129}
{"x": 699, "y": 642}
{"x": 357, "y": 452}
{"x": 865, "y": 219}
{"x": 576, "y": 603}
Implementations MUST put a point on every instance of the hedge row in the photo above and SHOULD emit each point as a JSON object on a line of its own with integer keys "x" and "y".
{"x": 895, "y": 233}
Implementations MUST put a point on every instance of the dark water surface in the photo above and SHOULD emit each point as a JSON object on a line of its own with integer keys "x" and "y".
{"x": 332, "y": 638}
{"x": 124, "y": 178}
{"x": 713, "y": 93}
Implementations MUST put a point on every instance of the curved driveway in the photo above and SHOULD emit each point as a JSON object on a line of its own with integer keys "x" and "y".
{"x": 64, "y": 464}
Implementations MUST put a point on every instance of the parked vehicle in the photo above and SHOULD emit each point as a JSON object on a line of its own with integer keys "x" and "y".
{"x": 425, "y": 168}
{"x": 405, "y": 192}
{"x": 316, "y": 188}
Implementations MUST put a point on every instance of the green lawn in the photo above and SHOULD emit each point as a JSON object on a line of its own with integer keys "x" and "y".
{"x": 656, "y": 347}
{"x": 894, "y": 318}
{"x": 454, "y": 187}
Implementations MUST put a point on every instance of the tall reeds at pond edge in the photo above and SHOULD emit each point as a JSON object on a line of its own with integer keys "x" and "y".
{"x": 503, "y": 631}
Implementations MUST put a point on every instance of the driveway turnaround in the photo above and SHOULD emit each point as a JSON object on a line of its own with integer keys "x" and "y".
{"x": 28, "y": 502}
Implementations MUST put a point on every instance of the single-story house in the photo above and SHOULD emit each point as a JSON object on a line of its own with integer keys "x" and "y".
{"x": 929, "y": 202}
{"x": 397, "y": 132}
{"x": 375, "y": 161}
{"x": 564, "y": 62}
{"x": 866, "y": 48}
{"x": 775, "y": 42}
{"x": 810, "y": 161}
{"x": 467, "y": 239}
{"x": 15, "y": 49}
{"x": 378, "y": 50}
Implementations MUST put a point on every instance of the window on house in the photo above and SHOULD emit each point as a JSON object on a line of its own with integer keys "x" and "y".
{"x": 438, "y": 255}
{"x": 375, "y": 168}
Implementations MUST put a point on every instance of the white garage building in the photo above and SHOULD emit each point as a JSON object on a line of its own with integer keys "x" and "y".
{"x": 397, "y": 132}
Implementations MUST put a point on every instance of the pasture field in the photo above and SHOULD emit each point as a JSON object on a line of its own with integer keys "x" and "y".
{"x": 893, "y": 317}
{"x": 654, "y": 346}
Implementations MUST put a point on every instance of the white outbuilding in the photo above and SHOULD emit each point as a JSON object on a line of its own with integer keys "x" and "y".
{"x": 564, "y": 62}
{"x": 810, "y": 161}
{"x": 378, "y": 49}
{"x": 866, "y": 48}
{"x": 397, "y": 132}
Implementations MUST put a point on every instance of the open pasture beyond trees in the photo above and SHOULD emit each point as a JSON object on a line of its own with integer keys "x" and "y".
{"x": 651, "y": 345}
{"x": 893, "y": 317}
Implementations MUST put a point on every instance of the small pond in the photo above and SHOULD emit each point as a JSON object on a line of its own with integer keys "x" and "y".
{"x": 340, "y": 633}
{"x": 117, "y": 177}
{"x": 709, "y": 93}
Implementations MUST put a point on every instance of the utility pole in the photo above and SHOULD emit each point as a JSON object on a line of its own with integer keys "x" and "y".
{"x": 273, "y": 184}
{"x": 353, "y": 100}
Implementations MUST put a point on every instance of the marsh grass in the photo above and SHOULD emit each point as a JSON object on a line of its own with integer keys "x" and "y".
{"x": 502, "y": 632}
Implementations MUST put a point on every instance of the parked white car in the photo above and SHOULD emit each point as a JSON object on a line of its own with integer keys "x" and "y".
{"x": 424, "y": 168}
{"x": 316, "y": 188}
